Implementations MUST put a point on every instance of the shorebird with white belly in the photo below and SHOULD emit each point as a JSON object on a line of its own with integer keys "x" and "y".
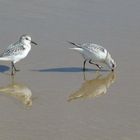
{"x": 17, "y": 51}
{"x": 94, "y": 54}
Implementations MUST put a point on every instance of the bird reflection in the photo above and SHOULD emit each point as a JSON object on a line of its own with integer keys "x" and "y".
{"x": 18, "y": 91}
{"x": 94, "y": 88}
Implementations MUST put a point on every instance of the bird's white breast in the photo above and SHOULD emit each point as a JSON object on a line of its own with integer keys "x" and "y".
{"x": 23, "y": 54}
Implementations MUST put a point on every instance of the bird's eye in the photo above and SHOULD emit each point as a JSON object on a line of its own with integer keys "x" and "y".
{"x": 26, "y": 38}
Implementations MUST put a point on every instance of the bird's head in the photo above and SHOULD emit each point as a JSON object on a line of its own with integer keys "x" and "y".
{"x": 110, "y": 62}
{"x": 26, "y": 39}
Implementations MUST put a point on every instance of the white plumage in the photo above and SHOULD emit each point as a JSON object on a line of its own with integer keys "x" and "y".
{"x": 17, "y": 51}
{"x": 94, "y": 54}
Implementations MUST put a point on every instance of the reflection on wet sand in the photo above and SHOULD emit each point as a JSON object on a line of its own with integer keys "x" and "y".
{"x": 94, "y": 88}
{"x": 18, "y": 91}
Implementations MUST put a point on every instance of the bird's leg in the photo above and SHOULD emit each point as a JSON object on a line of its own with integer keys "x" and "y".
{"x": 100, "y": 67}
{"x": 14, "y": 67}
{"x": 84, "y": 76}
{"x": 84, "y": 64}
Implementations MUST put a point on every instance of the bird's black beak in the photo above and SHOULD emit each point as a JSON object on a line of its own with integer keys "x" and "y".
{"x": 33, "y": 43}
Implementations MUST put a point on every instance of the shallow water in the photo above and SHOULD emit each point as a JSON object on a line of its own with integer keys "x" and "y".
{"x": 51, "y": 97}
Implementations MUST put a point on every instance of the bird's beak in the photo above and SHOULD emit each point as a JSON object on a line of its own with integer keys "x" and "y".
{"x": 33, "y": 43}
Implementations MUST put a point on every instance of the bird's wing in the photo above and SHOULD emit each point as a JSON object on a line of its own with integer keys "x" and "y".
{"x": 93, "y": 47}
{"x": 13, "y": 49}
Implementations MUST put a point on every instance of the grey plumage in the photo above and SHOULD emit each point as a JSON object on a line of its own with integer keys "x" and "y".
{"x": 13, "y": 49}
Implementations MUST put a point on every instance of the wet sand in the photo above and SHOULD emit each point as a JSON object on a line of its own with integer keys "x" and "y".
{"x": 51, "y": 98}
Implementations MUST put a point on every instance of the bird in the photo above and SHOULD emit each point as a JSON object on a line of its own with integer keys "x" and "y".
{"x": 94, "y": 54}
{"x": 17, "y": 51}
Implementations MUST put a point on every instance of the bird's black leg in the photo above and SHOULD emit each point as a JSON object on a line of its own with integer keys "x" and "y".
{"x": 84, "y": 64}
{"x": 14, "y": 67}
{"x": 100, "y": 67}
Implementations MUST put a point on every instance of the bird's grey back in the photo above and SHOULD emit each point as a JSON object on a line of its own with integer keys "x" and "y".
{"x": 93, "y": 47}
{"x": 13, "y": 49}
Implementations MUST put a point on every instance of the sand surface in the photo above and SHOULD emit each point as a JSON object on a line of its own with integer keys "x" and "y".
{"x": 51, "y": 98}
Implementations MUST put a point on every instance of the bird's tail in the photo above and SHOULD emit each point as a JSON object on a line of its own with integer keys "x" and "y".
{"x": 77, "y": 47}
{"x": 75, "y": 44}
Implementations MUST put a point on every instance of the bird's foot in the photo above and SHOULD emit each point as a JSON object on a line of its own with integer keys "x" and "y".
{"x": 17, "y": 70}
{"x": 84, "y": 69}
{"x": 12, "y": 73}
